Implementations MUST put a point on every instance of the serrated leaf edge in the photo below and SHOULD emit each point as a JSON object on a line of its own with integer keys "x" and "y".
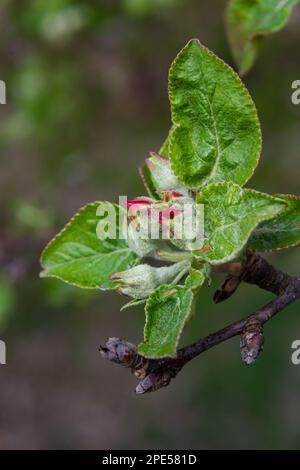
{"x": 147, "y": 321}
{"x": 44, "y": 273}
{"x": 147, "y": 187}
{"x": 244, "y": 90}
{"x": 252, "y": 36}
{"x": 238, "y": 251}
{"x": 287, "y": 247}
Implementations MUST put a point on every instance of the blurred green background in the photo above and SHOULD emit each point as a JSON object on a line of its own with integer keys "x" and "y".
{"x": 86, "y": 100}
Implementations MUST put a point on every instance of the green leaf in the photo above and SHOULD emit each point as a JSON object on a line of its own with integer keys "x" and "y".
{"x": 165, "y": 149}
{"x": 216, "y": 134}
{"x": 281, "y": 232}
{"x": 230, "y": 215}
{"x": 149, "y": 184}
{"x": 167, "y": 311}
{"x": 248, "y": 20}
{"x": 133, "y": 303}
{"x": 77, "y": 256}
{"x": 195, "y": 279}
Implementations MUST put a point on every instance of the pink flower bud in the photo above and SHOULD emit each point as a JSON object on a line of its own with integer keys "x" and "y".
{"x": 155, "y": 160}
{"x": 171, "y": 195}
{"x": 142, "y": 201}
{"x": 169, "y": 214}
{"x": 163, "y": 176}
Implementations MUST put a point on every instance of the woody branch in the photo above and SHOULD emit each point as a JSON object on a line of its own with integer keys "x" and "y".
{"x": 155, "y": 374}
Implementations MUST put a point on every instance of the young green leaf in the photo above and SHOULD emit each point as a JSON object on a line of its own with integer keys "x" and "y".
{"x": 195, "y": 279}
{"x": 231, "y": 214}
{"x": 247, "y": 20}
{"x": 77, "y": 256}
{"x": 216, "y": 134}
{"x": 165, "y": 149}
{"x": 281, "y": 232}
{"x": 147, "y": 179}
{"x": 133, "y": 303}
{"x": 167, "y": 311}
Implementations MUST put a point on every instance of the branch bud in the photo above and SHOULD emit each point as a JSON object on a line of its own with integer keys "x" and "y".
{"x": 154, "y": 381}
{"x": 119, "y": 352}
{"x": 228, "y": 288}
{"x": 252, "y": 340}
{"x": 125, "y": 354}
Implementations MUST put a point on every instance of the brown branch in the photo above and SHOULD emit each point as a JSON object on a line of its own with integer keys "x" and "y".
{"x": 155, "y": 374}
{"x": 254, "y": 270}
{"x": 291, "y": 294}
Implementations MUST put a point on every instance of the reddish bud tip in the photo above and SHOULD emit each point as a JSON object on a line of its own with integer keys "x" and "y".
{"x": 169, "y": 214}
{"x": 139, "y": 201}
{"x": 171, "y": 195}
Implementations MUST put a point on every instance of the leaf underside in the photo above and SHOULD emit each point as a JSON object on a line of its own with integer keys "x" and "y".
{"x": 247, "y": 20}
{"x": 77, "y": 256}
{"x": 231, "y": 214}
{"x": 281, "y": 232}
{"x": 216, "y": 134}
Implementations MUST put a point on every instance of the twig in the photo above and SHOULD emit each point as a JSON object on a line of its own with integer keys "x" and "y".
{"x": 155, "y": 374}
{"x": 253, "y": 270}
{"x": 291, "y": 294}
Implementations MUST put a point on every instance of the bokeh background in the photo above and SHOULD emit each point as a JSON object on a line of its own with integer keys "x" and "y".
{"x": 86, "y": 100}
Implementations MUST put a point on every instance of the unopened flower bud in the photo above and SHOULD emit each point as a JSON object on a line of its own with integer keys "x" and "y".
{"x": 140, "y": 281}
{"x": 154, "y": 381}
{"x": 168, "y": 195}
{"x": 119, "y": 351}
{"x": 162, "y": 174}
{"x": 188, "y": 225}
{"x": 142, "y": 202}
{"x": 124, "y": 353}
{"x": 138, "y": 238}
{"x": 169, "y": 213}
{"x": 136, "y": 226}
